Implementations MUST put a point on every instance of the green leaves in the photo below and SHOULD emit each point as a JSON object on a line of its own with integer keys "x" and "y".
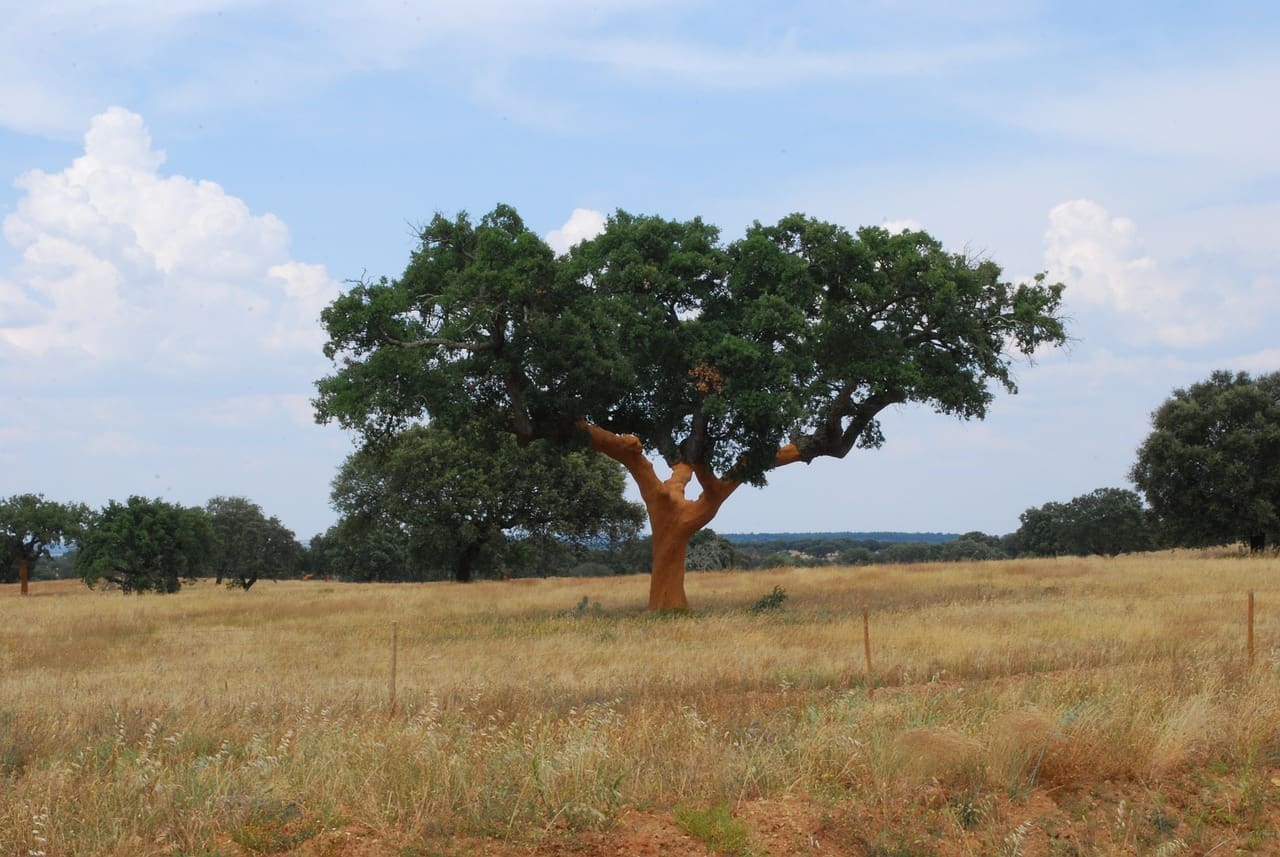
{"x": 247, "y": 545}
{"x": 714, "y": 353}
{"x": 1106, "y": 522}
{"x": 145, "y": 545}
{"x": 30, "y": 525}
{"x": 1211, "y": 466}
{"x": 458, "y": 494}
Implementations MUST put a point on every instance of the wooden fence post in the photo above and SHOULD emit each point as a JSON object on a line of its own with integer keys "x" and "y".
{"x": 866, "y": 647}
{"x": 395, "y": 645}
{"x": 1250, "y": 647}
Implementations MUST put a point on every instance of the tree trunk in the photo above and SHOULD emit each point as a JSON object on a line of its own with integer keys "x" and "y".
{"x": 666, "y": 580}
{"x": 1257, "y": 544}
{"x": 24, "y": 571}
{"x": 462, "y": 565}
{"x": 672, "y": 517}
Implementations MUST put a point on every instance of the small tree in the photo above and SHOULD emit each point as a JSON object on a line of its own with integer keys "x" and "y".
{"x": 249, "y": 546}
{"x": 654, "y": 339}
{"x": 1109, "y": 521}
{"x": 362, "y": 551}
{"x": 709, "y": 551}
{"x": 1104, "y": 522}
{"x": 1043, "y": 531}
{"x": 1211, "y": 466}
{"x": 145, "y": 546}
{"x": 30, "y": 526}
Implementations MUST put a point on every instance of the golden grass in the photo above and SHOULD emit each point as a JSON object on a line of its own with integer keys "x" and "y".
{"x": 213, "y": 722}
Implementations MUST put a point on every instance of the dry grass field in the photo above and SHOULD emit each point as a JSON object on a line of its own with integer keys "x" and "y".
{"x": 1053, "y": 707}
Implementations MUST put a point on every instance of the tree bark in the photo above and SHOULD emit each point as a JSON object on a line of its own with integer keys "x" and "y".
{"x": 673, "y": 517}
{"x": 666, "y": 578}
{"x": 462, "y": 565}
{"x": 24, "y": 572}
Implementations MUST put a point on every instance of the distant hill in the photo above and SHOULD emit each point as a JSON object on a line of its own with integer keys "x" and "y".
{"x": 929, "y": 538}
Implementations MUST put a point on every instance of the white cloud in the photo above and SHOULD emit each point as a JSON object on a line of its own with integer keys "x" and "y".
{"x": 124, "y": 266}
{"x": 1260, "y": 362}
{"x": 1214, "y": 112}
{"x": 1102, "y": 262}
{"x": 282, "y": 50}
{"x": 583, "y": 224}
{"x": 906, "y": 224}
{"x": 1099, "y": 257}
{"x": 309, "y": 289}
{"x": 784, "y": 64}
{"x": 249, "y": 412}
{"x": 157, "y": 336}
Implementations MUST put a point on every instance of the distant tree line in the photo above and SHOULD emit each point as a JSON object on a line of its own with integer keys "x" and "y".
{"x": 145, "y": 544}
{"x": 427, "y": 504}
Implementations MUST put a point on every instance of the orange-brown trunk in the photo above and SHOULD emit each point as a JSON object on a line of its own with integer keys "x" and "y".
{"x": 23, "y": 573}
{"x": 670, "y": 543}
{"x": 673, "y": 517}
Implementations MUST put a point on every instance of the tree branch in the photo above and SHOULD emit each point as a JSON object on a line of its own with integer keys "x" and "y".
{"x": 833, "y": 439}
{"x": 523, "y": 425}
{"x": 627, "y": 450}
{"x": 714, "y": 492}
{"x": 441, "y": 342}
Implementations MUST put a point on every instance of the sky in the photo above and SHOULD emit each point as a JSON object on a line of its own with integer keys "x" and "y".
{"x": 185, "y": 185}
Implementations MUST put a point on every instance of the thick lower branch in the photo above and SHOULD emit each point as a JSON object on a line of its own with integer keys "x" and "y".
{"x": 834, "y": 439}
{"x": 627, "y": 450}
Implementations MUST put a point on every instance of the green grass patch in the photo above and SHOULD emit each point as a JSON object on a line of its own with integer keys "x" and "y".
{"x": 716, "y": 828}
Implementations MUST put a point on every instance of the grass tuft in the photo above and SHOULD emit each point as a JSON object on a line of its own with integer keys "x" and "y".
{"x": 716, "y": 828}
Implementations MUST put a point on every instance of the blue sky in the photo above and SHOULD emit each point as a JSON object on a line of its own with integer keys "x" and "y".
{"x": 184, "y": 185}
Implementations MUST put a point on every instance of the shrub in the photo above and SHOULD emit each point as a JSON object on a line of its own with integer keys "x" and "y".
{"x": 771, "y": 601}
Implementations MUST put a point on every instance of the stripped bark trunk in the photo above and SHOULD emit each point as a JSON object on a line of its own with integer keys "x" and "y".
{"x": 24, "y": 572}
{"x": 673, "y": 517}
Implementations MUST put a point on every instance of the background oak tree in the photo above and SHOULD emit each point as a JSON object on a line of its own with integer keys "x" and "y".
{"x": 461, "y": 497}
{"x": 145, "y": 545}
{"x": 1210, "y": 469}
{"x": 1105, "y": 522}
{"x": 655, "y": 339}
{"x": 247, "y": 545}
{"x": 30, "y": 526}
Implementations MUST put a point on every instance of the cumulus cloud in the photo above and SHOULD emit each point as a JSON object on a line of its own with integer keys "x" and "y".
{"x": 1102, "y": 262}
{"x": 121, "y": 264}
{"x": 583, "y": 224}
{"x": 1099, "y": 256}
{"x": 157, "y": 335}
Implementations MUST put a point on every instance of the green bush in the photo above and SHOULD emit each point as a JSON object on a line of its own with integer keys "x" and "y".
{"x": 772, "y": 601}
